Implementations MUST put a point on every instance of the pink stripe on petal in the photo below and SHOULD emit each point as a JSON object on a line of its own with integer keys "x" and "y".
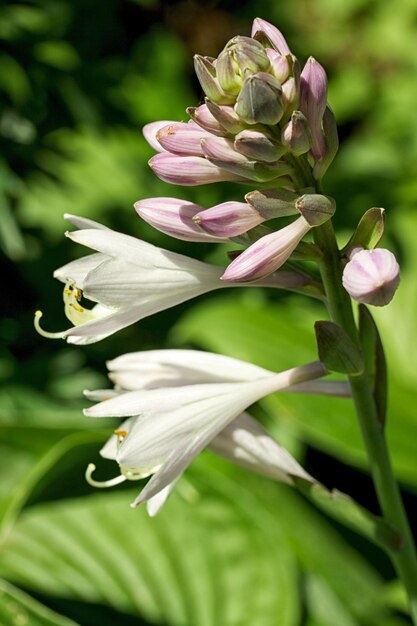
{"x": 276, "y": 38}
{"x": 267, "y": 254}
{"x": 188, "y": 170}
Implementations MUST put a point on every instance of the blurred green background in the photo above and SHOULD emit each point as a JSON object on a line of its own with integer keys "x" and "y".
{"x": 78, "y": 80}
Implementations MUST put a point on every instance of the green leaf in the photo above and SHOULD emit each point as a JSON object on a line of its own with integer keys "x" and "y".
{"x": 17, "y": 608}
{"x": 205, "y": 562}
{"x": 369, "y": 231}
{"x": 337, "y": 350}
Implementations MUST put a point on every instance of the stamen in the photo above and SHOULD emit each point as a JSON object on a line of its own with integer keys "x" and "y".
{"x": 45, "y": 333}
{"x": 102, "y": 484}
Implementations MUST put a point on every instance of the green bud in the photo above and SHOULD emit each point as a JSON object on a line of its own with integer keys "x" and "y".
{"x": 315, "y": 208}
{"x": 296, "y": 134}
{"x": 368, "y": 232}
{"x": 206, "y": 74}
{"x": 228, "y": 73}
{"x": 331, "y": 141}
{"x": 249, "y": 55}
{"x": 260, "y": 100}
{"x": 273, "y": 202}
{"x": 258, "y": 145}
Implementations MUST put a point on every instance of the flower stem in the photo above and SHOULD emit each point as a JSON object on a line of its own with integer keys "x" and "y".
{"x": 340, "y": 310}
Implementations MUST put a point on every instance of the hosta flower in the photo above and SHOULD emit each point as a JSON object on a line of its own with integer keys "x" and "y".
{"x": 186, "y": 409}
{"x": 372, "y": 276}
{"x": 129, "y": 279}
{"x": 259, "y": 110}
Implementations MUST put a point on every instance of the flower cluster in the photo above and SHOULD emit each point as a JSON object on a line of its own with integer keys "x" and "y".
{"x": 264, "y": 122}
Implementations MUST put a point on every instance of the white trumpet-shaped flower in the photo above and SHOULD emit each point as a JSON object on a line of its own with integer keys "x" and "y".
{"x": 130, "y": 279}
{"x": 168, "y": 425}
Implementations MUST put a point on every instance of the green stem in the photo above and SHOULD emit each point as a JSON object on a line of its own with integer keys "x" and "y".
{"x": 340, "y": 309}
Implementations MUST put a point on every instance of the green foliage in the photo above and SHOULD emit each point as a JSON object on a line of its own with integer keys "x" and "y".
{"x": 78, "y": 81}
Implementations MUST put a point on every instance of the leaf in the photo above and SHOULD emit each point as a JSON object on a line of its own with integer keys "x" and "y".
{"x": 206, "y": 561}
{"x": 337, "y": 350}
{"x": 17, "y": 608}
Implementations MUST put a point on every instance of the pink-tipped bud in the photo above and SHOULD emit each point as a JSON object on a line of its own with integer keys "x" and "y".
{"x": 267, "y": 254}
{"x": 226, "y": 116}
{"x": 313, "y": 100}
{"x": 174, "y": 217}
{"x": 150, "y": 131}
{"x": 228, "y": 219}
{"x": 372, "y": 276}
{"x": 182, "y": 138}
{"x": 188, "y": 170}
{"x": 221, "y": 149}
{"x": 205, "y": 119}
{"x": 262, "y": 28}
{"x": 280, "y": 65}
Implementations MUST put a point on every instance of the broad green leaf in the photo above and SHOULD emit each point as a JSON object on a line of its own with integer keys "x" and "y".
{"x": 325, "y": 608}
{"x": 36, "y": 433}
{"x": 207, "y": 561}
{"x": 19, "y": 609}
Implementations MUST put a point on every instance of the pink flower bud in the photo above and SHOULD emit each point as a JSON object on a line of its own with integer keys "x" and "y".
{"x": 188, "y": 170}
{"x": 279, "y": 65}
{"x": 221, "y": 149}
{"x": 313, "y": 100}
{"x": 182, "y": 138}
{"x": 228, "y": 219}
{"x": 268, "y": 253}
{"x": 174, "y": 217}
{"x": 262, "y": 27}
{"x": 203, "y": 117}
{"x": 372, "y": 276}
{"x": 150, "y": 131}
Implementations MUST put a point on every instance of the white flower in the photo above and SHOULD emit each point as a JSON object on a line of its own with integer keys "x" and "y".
{"x": 169, "y": 425}
{"x": 130, "y": 279}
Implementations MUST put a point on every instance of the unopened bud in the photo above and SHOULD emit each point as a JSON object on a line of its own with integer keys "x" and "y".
{"x": 272, "y": 203}
{"x": 221, "y": 152}
{"x": 331, "y": 142}
{"x": 182, "y": 138}
{"x": 203, "y": 117}
{"x": 267, "y": 254}
{"x": 260, "y": 100}
{"x": 226, "y": 116}
{"x": 296, "y": 134}
{"x": 262, "y": 29}
{"x": 258, "y": 146}
{"x": 372, "y": 276}
{"x": 313, "y": 99}
{"x": 228, "y": 219}
{"x": 280, "y": 65}
{"x": 315, "y": 208}
{"x": 206, "y": 74}
{"x": 174, "y": 217}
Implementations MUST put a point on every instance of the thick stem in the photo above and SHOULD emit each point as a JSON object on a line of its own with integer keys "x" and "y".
{"x": 389, "y": 497}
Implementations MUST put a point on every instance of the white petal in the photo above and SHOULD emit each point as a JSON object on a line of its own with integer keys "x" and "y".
{"x": 155, "y": 504}
{"x": 78, "y": 270}
{"x": 245, "y": 442}
{"x": 138, "y": 252}
{"x": 116, "y": 283}
{"x": 111, "y": 447}
{"x": 83, "y": 222}
{"x": 161, "y": 368}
